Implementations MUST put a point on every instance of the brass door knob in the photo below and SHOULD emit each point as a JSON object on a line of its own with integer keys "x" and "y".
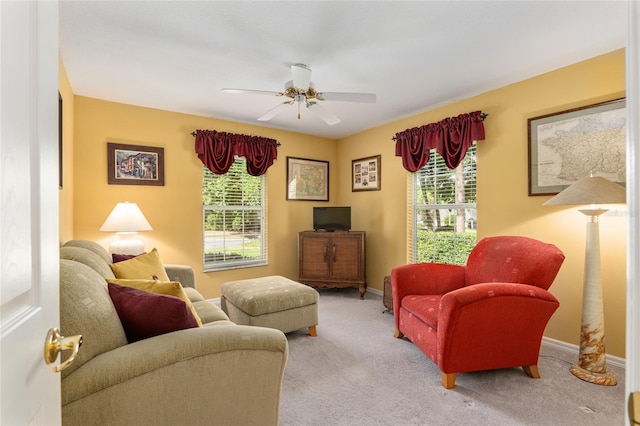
{"x": 55, "y": 342}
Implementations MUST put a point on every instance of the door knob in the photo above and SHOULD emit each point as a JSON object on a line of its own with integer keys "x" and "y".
{"x": 55, "y": 342}
{"x": 634, "y": 408}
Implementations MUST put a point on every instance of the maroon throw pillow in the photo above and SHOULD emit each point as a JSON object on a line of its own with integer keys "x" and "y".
{"x": 145, "y": 314}
{"x": 120, "y": 257}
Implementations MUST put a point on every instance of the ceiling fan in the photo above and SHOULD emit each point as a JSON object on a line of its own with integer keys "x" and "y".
{"x": 301, "y": 92}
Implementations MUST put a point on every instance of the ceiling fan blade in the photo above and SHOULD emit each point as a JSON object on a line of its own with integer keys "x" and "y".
{"x": 274, "y": 111}
{"x": 301, "y": 75}
{"x": 369, "y": 98}
{"x": 325, "y": 115}
{"x": 253, "y": 92}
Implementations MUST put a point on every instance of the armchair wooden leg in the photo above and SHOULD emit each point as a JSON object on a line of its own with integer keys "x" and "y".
{"x": 398, "y": 334}
{"x": 448, "y": 380}
{"x": 312, "y": 331}
{"x": 532, "y": 371}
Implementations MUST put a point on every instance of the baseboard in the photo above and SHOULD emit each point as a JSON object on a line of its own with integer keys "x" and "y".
{"x": 375, "y": 291}
{"x": 613, "y": 360}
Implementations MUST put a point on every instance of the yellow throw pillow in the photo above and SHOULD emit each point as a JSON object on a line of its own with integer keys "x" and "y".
{"x": 147, "y": 266}
{"x": 169, "y": 288}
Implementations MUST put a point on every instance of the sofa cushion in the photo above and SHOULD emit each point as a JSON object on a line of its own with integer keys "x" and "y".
{"x": 88, "y": 257}
{"x": 86, "y": 309}
{"x": 424, "y": 307}
{"x": 92, "y": 246}
{"x": 146, "y": 266}
{"x": 169, "y": 288}
{"x": 144, "y": 314}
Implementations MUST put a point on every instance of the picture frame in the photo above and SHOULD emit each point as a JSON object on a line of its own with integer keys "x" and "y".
{"x": 307, "y": 180}
{"x": 566, "y": 146}
{"x": 366, "y": 174}
{"x": 135, "y": 165}
{"x": 60, "y": 141}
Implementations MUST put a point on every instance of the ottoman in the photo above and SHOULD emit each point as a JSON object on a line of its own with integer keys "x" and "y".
{"x": 273, "y": 301}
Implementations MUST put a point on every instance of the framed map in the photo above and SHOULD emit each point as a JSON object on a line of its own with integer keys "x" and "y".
{"x": 567, "y": 146}
{"x": 307, "y": 180}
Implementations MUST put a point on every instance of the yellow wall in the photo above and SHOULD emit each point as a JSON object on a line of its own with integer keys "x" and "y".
{"x": 175, "y": 209}
{"x": 504, "y": 207}
{"x": 503, "y": 204}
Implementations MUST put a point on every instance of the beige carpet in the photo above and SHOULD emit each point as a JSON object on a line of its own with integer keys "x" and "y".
{"x": 356, "y": 373}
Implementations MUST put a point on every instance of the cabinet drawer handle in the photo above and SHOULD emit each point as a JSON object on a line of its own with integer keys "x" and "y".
{"x": 334, "y": 253}
{"x": 325, "y": 258}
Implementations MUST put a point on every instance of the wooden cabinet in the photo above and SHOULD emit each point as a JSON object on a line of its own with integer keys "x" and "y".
{"x": 332, "y": 259}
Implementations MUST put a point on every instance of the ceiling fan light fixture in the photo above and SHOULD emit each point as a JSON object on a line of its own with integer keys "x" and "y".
{"x": 300, "y": 90}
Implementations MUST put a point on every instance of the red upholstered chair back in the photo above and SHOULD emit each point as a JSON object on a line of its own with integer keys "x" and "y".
{"x": 512, "y": 259}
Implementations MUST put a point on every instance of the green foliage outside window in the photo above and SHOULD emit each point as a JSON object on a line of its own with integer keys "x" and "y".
{"x": 444, "y": 246}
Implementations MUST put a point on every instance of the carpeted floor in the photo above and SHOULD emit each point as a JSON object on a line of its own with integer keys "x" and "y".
{"x": 356, "y": 373}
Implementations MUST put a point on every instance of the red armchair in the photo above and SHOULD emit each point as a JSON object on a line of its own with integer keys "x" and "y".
{"x": 487, "y": 315}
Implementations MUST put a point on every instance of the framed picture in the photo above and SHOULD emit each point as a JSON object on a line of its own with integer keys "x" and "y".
{"x": 366, "y": 174}
{"x": 567, "y": 146}
{"x": 135, "y": 165}
{"x": 60, "y": 145}
{"x": 307, "y": 180}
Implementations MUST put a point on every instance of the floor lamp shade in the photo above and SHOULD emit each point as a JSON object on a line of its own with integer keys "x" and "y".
{"x": 591, "y": 365}
{"x": 126, "y": 220}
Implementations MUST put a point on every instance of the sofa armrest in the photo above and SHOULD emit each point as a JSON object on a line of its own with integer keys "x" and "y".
{"x": 227, "y": 374}
{"x": 181, "y": 273}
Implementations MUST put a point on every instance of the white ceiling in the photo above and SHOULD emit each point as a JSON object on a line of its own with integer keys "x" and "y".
{"x": 415, "y": 55}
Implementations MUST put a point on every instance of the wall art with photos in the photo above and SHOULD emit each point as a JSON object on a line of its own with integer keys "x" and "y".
{"x": 307, "y": 180}
{"x": 135, "y": 165}
{"x": 567, "y": 146}
{"x": 366, "y": 174}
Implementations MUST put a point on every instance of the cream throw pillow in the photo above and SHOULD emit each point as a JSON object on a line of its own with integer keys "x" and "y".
{"x": 147, "y": 266}
{"x": 168, "y": 288}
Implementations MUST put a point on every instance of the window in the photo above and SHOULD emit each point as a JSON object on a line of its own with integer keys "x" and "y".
{"x": 444, "y": 211}
{"x": 233, "y": 210}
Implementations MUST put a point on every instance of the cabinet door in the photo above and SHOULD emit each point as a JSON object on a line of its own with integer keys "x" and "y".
{"x": 314, "y": 256}
{"x": 346, "y": 257}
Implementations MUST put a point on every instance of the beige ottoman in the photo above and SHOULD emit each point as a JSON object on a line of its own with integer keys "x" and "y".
{"x": 274, "y": 302}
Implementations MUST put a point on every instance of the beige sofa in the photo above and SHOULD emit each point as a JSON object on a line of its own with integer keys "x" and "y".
{"x": 218, "y": 374}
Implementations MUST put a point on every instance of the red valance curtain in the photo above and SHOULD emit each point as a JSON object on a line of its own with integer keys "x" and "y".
{"x": 216, "y": 150}
{"x": 450, "y": 137}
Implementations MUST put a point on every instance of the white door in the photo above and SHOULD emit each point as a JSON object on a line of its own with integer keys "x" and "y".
{"x": 632, "y": 373}
{"x": 29, "y": 306}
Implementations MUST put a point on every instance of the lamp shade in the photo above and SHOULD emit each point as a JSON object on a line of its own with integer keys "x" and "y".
{"x": 590, "y": 190}
{"x": 126, "y": 217}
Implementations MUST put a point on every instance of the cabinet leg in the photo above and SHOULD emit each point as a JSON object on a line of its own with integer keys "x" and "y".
{"x": 362, "y": 289}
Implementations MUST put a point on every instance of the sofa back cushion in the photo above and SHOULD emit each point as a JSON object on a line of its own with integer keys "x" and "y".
{"x": 86, "y": 309}
{"x": 90, "y": 245}
{"x": 89, "y": 258}
{"x": 513, "y": 259}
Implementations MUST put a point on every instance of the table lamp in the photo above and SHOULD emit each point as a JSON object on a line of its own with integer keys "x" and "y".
{"x": 126, "y": 220}
{"x": 591, "y": 365}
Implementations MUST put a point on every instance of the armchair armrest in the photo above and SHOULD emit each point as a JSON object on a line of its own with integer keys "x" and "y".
{"x": 181, "y": 273}
{"x": 425, "y": 278}
{"x": 213, "y": 372}
{"x": 478, "y": 318}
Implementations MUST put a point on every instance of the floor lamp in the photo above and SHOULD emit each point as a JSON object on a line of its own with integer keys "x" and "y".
{"x": 592, "y": 362}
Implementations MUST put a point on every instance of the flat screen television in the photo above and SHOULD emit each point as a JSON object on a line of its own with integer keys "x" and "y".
{"x": 332, "y": 218}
